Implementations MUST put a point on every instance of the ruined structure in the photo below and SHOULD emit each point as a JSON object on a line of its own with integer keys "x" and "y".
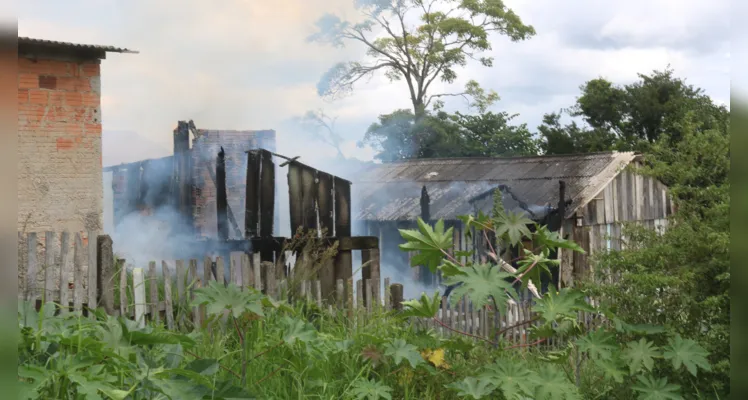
{"x": 584, "y": 196}
{"x": 186, "y": 181}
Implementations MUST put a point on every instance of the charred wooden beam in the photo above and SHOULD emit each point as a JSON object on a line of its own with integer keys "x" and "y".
{"x": 342, "y": 207}
{"x": 344, "y": 258}
{"x": 267, "y": 193}
{"x": 425, "y": 205}
{"x": 309, "y": 198}
{"x": 252, "y": 196}
{"x": 183, "y": 172}
{"x": 325, "y": 202}
{"x": 229, "y": 211}
{"x": 295, "y": 204}
{"x": 222, "y": 202}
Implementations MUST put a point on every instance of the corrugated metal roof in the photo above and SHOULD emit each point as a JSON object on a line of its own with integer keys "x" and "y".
{"x": 54, "y": 43}
{"x": 391, "y": 191}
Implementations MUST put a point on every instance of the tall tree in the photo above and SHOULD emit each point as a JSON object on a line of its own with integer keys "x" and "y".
{"x": 449, "y": 33}
{"x": 397, "y": 136}
{"x": 631, "y": 117}
{"x": 322, "y": 126}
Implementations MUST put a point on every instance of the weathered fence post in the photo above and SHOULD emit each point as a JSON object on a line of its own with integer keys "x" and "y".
{"x": 396, "y": 291}
{"x": 105, "y": 272}
{"x": 139, "y": 296}
{"x": 93, "y": 293}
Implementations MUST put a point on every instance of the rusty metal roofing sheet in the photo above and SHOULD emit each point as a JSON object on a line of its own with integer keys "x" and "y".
{"x": 392, "y": 191}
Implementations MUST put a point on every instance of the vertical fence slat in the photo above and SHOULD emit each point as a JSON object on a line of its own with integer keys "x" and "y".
{"x": 387, "y": 305}
{"x": 235, "y": 269}
{"x": 181, "y": 273}
{"x": 31, "y": 266}
{"x": 349, "y": 298}
{"x": 181, "y": 278}
{"x": 153, "y": 292}
{"x": 49, "y": 266}
{"x": 339, "y": 288}
{"x": 318, "y": 292}
{"x": 77, "y": 273}
{"x": 65, "y": 264}
{"x": 168, "y": 309}
{"x": 453, "y": 315}
{"x": 207, "y": 277}
{"x": 93, "y": 292}
{"x": 257, "y": 270}
{"x": 139, "y": 296}
{"x": 369, "y": 295}
{"x": 207, "y": 270}
{"x": 220, "y": 270}
{"x": 195, "y": 283}
{"x": 270, "y": 280}
{"x": 360, "y": 302}
{"x": 246, "y": 270}
{"x": 122, "y": 289}
{"x": 443, "y": 317}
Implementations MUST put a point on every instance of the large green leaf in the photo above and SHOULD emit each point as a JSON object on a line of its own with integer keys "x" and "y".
{"x": 429, "y": 243}
{"x": 650, "y": 388}
{"x": 400, "y": 350}
{"x": 365, "y": 389}
{"x": 218, "y": 299}
{"x": 473, "y": 387}
{"x": 598, "y": 344}
{"x": 553, "y": 240}
{"x": 33, "y": 380}
{"x": 481, "y": 283}
{"x": 297, "y": 331}
{"x": 640, "y": 355}
{"x": 512, "y": 378}
{"x": 424, "y": 307}
{"x": 551, "y": 384}
{"x": 513, "y": 226}
{"x": 687, "y": 353}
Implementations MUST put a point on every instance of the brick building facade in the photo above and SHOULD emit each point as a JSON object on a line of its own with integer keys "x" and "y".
{"x": 59, "y": 142}
{"x": 59, "y": 135}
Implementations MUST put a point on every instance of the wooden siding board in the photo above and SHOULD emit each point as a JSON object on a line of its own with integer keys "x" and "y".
{"x": 609, "y": 205}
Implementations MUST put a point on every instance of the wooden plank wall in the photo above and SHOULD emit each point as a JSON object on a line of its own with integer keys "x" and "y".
{"x": 629, "y": 197}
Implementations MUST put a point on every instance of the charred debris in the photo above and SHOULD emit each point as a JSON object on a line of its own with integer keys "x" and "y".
{"x": 318, "y": 201}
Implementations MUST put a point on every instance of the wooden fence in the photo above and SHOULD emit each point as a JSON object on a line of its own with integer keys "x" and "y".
{"x": 162, "y": 292}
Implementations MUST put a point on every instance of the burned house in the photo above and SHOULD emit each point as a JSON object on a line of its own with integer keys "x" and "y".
{"x": 181, "y": 189}
{"x": 586, "y": 197}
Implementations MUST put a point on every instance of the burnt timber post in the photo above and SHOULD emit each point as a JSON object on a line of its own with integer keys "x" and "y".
{"x": 182, "y": 173}
{"x": 260, "y": 199}
{"x": 344, "y": 258}
{"x": 425, "y": 274}
{"x": 222, "y": 203}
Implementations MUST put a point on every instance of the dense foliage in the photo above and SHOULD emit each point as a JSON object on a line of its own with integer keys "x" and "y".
{"x": 254, "y": 347}
{"x": 681, "y": 279}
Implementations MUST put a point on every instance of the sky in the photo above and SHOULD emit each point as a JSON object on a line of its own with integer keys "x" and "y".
{"x": 234, "y": 64}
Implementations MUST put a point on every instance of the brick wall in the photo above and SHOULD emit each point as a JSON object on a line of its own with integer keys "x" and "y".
{"x": 205, "y": 149}
{"x": 59, "y": 145}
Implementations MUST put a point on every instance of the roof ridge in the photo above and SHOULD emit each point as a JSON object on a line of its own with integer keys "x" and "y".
{"x": 512, "y": 158}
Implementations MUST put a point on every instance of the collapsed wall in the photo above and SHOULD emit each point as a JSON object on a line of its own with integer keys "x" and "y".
{"x": 147, "y": 221}
{"x": 205, "y": 147}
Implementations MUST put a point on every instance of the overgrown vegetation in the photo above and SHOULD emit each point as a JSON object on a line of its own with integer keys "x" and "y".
{"x": 254, "y": 347}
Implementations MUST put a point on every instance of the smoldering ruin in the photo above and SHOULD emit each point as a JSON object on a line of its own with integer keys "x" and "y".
{"x": 219, "y": 195}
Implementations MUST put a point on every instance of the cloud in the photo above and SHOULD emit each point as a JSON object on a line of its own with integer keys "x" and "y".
{"x": 247, "y": 64}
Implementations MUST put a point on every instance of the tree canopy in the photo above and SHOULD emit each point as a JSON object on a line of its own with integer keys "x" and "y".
{"x": 447, "y": 35}
{"x": 398, "y": 136}
{"x": 630, "y": 117}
